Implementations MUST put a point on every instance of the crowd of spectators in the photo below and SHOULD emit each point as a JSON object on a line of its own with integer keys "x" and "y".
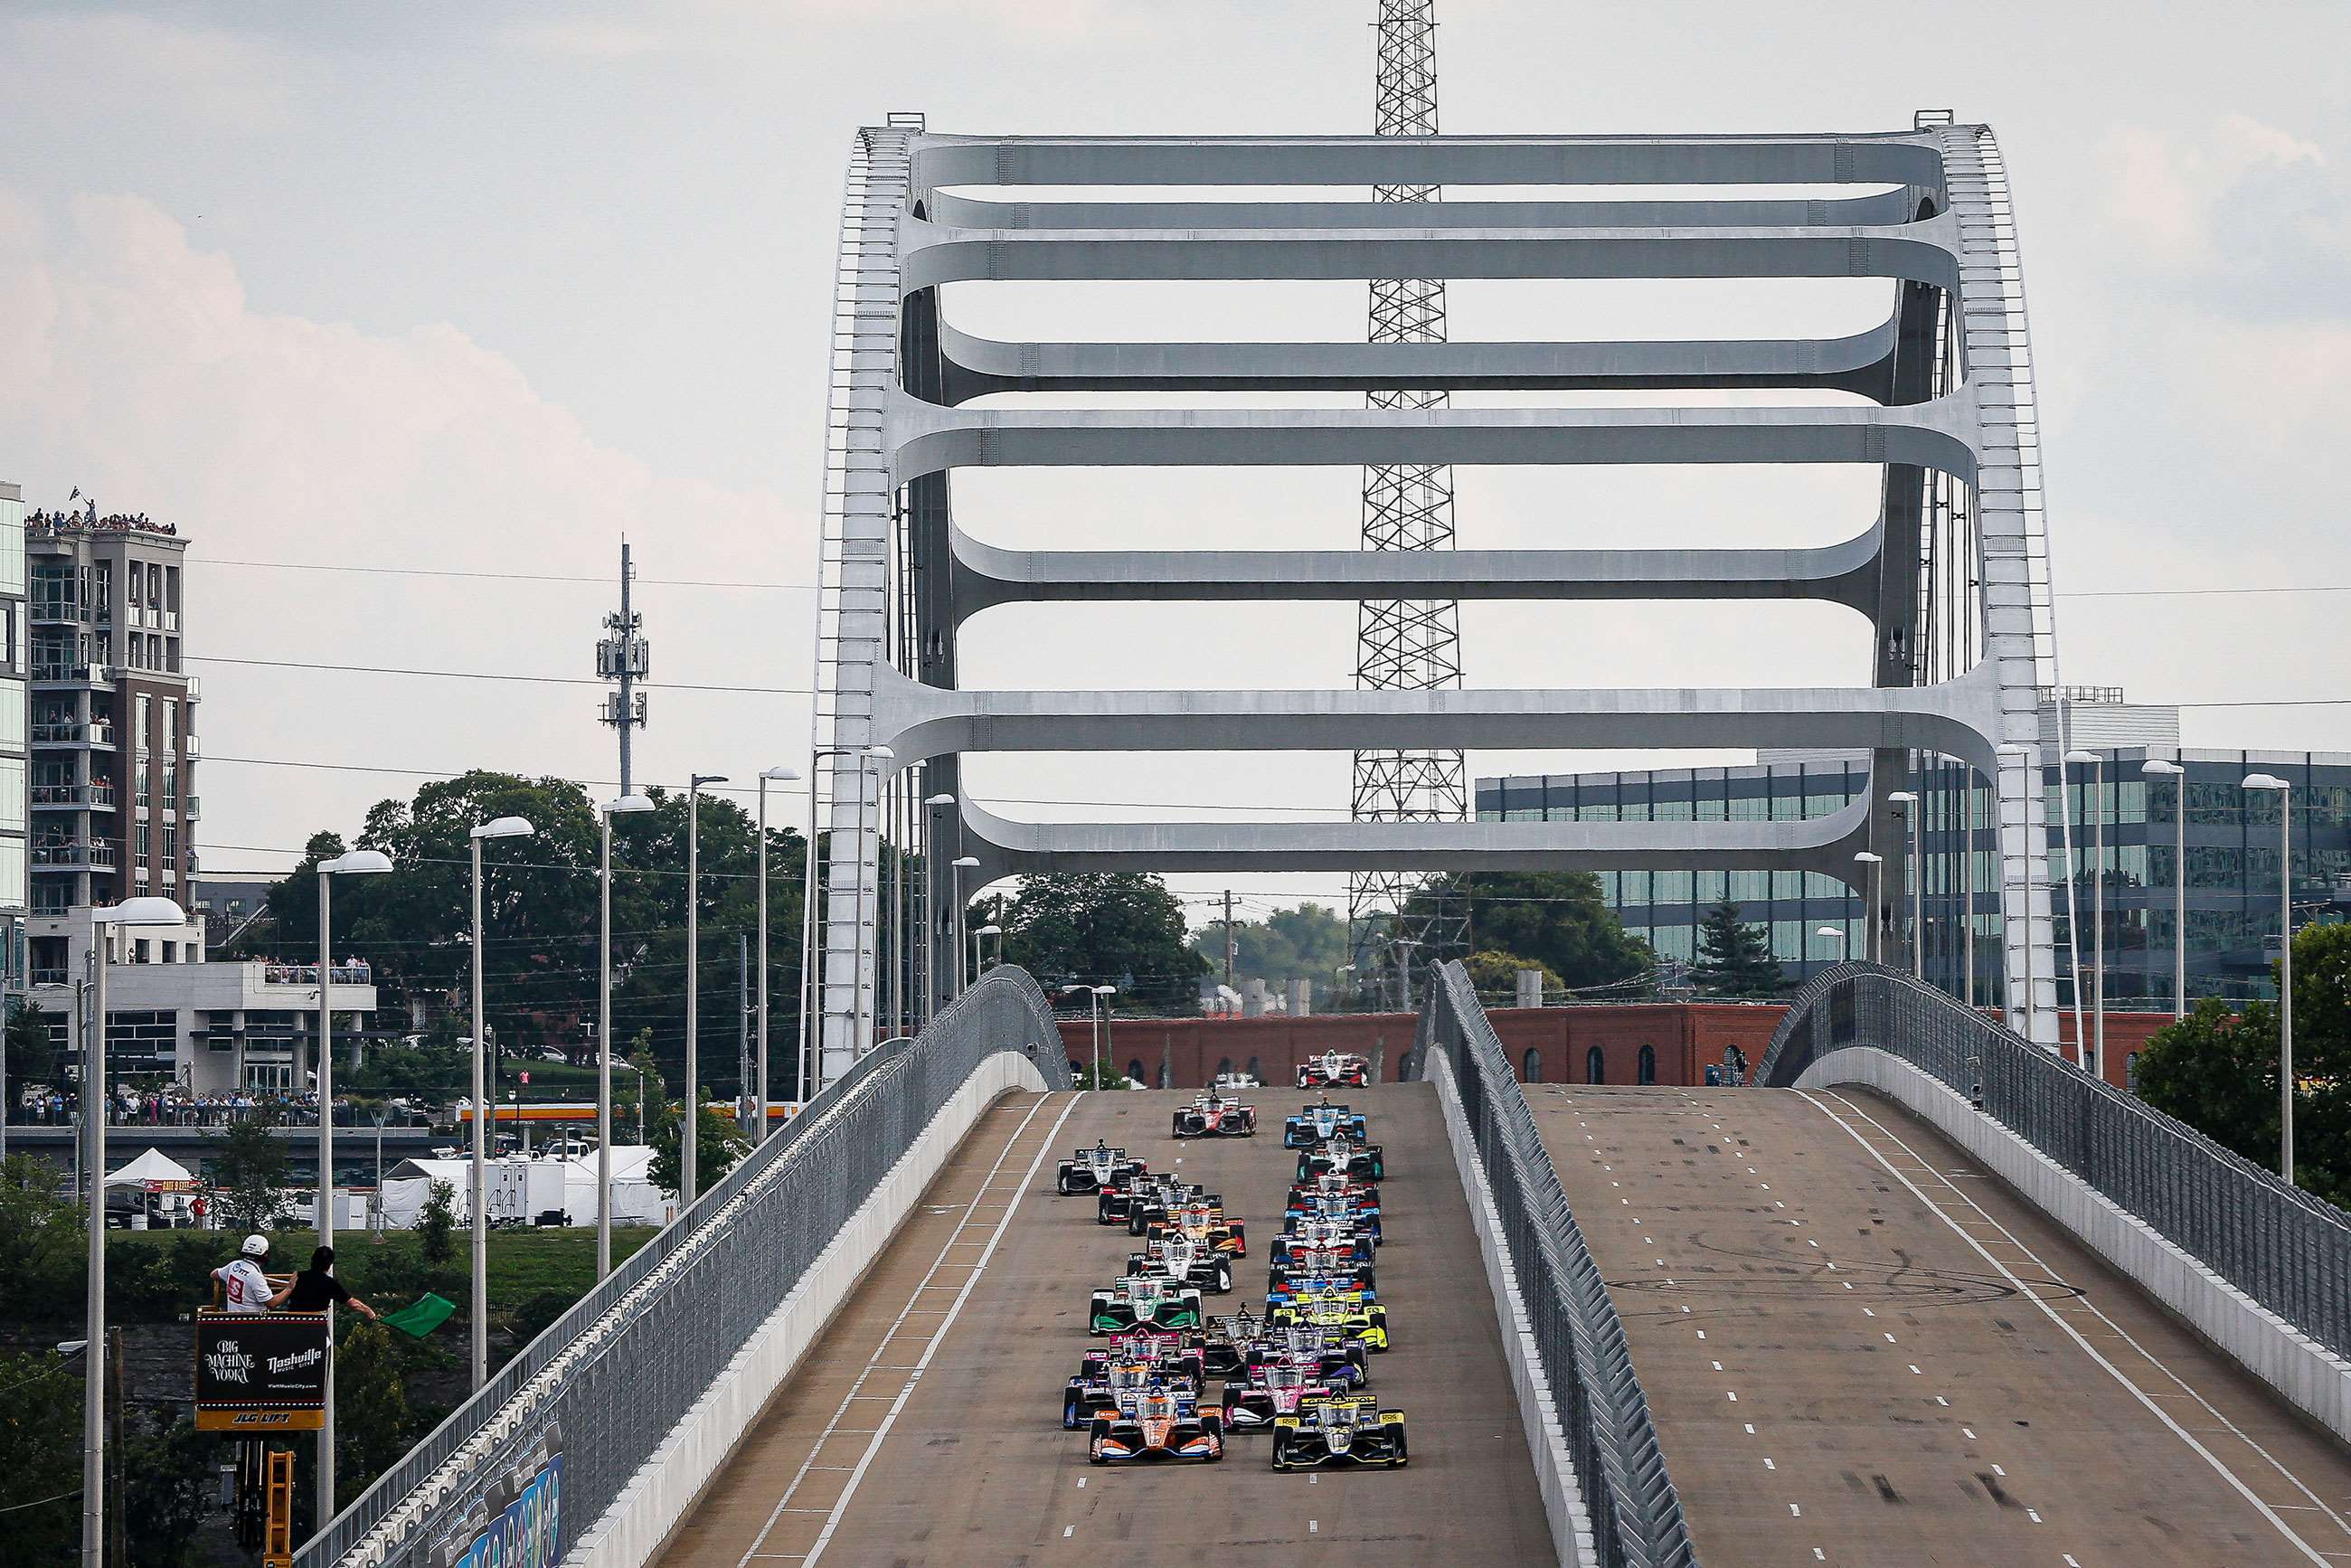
{"x": 87, "y": 518}
{"x": 47, "y": 1107}
{"x": 350, "y": 972}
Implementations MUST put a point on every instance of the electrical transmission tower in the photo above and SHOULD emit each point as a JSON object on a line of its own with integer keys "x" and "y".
{"x": 1406, "y": 644}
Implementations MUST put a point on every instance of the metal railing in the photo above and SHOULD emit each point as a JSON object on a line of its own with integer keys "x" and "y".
{"x": 616, "y": 1373}
{"x": 2288, "y": 1251}
{"x": 1637, "y": 1515}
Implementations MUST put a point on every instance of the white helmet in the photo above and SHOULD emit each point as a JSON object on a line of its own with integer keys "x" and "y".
{"x": 257, "y": 1247}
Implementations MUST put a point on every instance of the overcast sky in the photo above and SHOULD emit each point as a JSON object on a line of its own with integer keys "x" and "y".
{"x": 478, "y": 287}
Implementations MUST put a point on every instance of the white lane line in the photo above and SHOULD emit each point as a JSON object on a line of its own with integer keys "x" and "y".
{"x": 2308, "y": 1551}
{"x": 834, "y": 1427}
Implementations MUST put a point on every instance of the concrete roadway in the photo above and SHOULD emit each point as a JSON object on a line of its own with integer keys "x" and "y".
{"x": 862, "y": 1459}
{"x": 1862, "y": 1349}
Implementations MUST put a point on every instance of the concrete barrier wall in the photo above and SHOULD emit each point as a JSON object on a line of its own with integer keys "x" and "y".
{"x": 633, "y": 1530}
{"x": 1570, "y": 1525}
{"x": 2307, "y": 1374}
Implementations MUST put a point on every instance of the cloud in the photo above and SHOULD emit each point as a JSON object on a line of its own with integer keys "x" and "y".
{"x": 142, "y": 372}
{"x": 588, "y": 39}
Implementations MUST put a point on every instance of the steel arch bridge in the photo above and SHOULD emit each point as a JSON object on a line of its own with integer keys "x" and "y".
{"x": 1953, "y": 573}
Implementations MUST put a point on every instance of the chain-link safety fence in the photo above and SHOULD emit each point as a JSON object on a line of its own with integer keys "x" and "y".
{"x": 607, "y": 1380}
{"x": 2288, "y": 1251}
{"x": 1637, "y": 1515}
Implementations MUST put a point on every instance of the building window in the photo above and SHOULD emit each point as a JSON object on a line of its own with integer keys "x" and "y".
{"x": 1646, "y": 1068}
{"x": 172, "y": 846}
{"x": 1531, "y": 1066}
{"x": 139, "y": 833}
{"x": 1253, "y": 1071}
{"x": 1595, "y": 1066}
{"x": 1135, "y": 1071}
{"x": 2130, "y": 1073}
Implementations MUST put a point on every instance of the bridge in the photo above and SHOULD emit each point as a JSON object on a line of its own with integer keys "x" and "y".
{"x": 1925, "y": 1293}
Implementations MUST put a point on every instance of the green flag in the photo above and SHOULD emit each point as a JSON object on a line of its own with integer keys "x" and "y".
{"x": 427, "y": 1314}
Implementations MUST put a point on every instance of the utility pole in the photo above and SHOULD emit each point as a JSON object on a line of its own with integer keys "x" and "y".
{"x": 1231, "y": 947}
{"x": 623, "y": 656}
{"x": 742, "y": 1088}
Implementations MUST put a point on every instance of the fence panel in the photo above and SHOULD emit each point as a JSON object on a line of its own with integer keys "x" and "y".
{"x": 614, "y": 1374}
{"x": 2287, "y": 1250}
{"x": 1637, "y": 1515}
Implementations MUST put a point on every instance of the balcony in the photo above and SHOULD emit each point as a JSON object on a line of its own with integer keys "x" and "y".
{"x": 74, "y": 734}
{"x": 74, "y": 856}
{"x": 72, "y": 672}
{"x": 54, "y": 610}
{"x": 57, "y": 978}
{"x": 96, "y": 796}
{"x": 193, "y": 748}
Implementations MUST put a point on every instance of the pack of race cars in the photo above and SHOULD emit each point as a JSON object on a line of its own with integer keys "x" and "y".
{"x": 1168, "y": 1380}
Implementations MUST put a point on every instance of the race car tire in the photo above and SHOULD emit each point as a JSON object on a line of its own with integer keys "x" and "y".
{"x": 1224, "y": 1278}
{"x": 1281, "y": 1452}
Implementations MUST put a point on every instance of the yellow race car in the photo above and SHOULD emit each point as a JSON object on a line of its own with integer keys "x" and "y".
{"x": 1351, "y": 1312}
{"x": 1338, "y": 1429}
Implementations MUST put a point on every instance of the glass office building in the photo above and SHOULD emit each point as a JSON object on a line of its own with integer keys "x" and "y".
{"x": 2122, "y": 821}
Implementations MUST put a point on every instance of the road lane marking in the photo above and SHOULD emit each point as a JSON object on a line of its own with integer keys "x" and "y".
{"x": 2309, "y": 1552}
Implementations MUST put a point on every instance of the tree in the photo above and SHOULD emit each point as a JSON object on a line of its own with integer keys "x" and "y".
{"x": 249, "y": 1174}
{"x": 436, "y": 1226}
{"x": 716, "y": 1152}
{"x": 371, "y": 1415}
{"x": 2217, "y": 1072}
{"x": 1308, "y": 943}
{"x": 1119, "y": 928}
{"x": 40, "y": 1449}
{"x": 1555, "y": 918}
{"x": 166, "y": 1489}
{"x": 1734, "y": 958}
{"x": 26, "y": 1041}
{"x": 40, "y": 1235}
{"x": 1495, "y": 976}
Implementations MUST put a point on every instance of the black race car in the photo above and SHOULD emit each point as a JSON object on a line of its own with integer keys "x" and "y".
{"x": 1345, "y": 1429}
{"x": 1094, "y": 1170}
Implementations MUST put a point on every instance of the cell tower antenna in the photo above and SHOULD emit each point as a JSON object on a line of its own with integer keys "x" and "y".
{"x": 622, "y": 656}
{"x": 1406, "y": 644}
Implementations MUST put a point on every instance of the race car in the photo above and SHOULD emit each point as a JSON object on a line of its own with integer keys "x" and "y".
{"x": 1176, "y": 1256}
{"x": 1299, "y": 1243}
{"x": 1321, "y": 1122}
{"x": 1342, "y": 1156}
{"x": 1349, "y": 1311}
{"x": 1094, "y": 1170}
{"x": 1206, "y": 1223}
{"x": 1171, "y": 1354}
{"x": 1156, "y": 1425}
{"x": 1275, "y": 1388}
{"x": 1334, "y": 1198}
{"x": 1225, "y": 1343}
{"x": 1102, "y": 1383}
{"x": 1334, "y": 1070}
{"x": 1343, "y": 1430}
{"x": 1215, "y": 1116}
{"x": 1337, "y": 1264}
{"x": 1297, "y": 1286}
{"x": 1328, "y": 1355}
{"x": 1232, "y": 1083}
{"x": 1156, "y": 1198}
{"x": 1114, "y": 1199}
{"x": 1147, "y": 1302}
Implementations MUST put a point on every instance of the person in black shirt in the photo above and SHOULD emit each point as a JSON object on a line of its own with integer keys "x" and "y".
{"x": 315, "y": 1288}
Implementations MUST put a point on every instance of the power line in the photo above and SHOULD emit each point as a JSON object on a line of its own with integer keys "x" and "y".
{"x": 487, "y": 675}
{"x": 496, "y": 576}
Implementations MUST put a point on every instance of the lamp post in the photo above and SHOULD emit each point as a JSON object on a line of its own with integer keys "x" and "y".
{"x": 497, "y": 828}
{"x": 2029, "y": 757}
{"x": 689, "y": 1137}
{"x": 1873, "y": 945}
{"x": 94, "y": 1097}
{"x": 1833, "y": 935}
{"x": 2156, "y": 767}
{"x": 766, "y": 776}
{"x": 357, "y": 863}
{"x": 1916, "y": 869}
{"x": 2285, "y": 964}
{"x": 604, "y": 1030}
{"x": 2093, "y": 1052}
{"x": 962, "y": 864}
{"x": 1102, "y": 995}
{"x": 979, "y": 965}
{"x": 943, "y": 801}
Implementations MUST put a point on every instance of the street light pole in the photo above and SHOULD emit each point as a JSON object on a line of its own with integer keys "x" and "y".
{"x": 766, "y": 776}
{"x": 2285, "y": 964}
{"x": 689, "y": 1137}
{"x": 2028, "y": 758}
{"x": 2156, "y": 767}
{"x": 962, "y": 864}
{"x": 357, "y": 863}
{"x": 1916, "y": 871}
{"x": 1102, "y": 995}
{"x": 498, "y": 827}
{"x": 94, "y": 1099}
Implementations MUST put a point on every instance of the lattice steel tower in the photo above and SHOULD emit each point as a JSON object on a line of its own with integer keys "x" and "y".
{"x": 1406, "y": 644}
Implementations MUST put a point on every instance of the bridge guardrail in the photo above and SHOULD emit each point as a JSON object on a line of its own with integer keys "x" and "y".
{"x": 1637, "y": 1515}
{"x": 615, "y": 1374}
{"x": 2287, "y": 1250}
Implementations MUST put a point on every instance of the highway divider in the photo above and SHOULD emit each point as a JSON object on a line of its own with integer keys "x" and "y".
{"x": 1579, "y": 1390}
{"x": 2261, "y": 1269}
{"x": 655, "y": 1369}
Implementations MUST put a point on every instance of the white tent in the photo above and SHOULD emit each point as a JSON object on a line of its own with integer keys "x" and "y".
{"x": 408, "y": 1187}
{"x": 636, "y": 1199}
{"x": 153, "y": 1166}
{"x": 528, "y": 1188}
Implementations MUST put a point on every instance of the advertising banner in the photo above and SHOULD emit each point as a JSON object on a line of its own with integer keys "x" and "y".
{"x": 261, "y": 1372}
{"x": 521, "y": 1522}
